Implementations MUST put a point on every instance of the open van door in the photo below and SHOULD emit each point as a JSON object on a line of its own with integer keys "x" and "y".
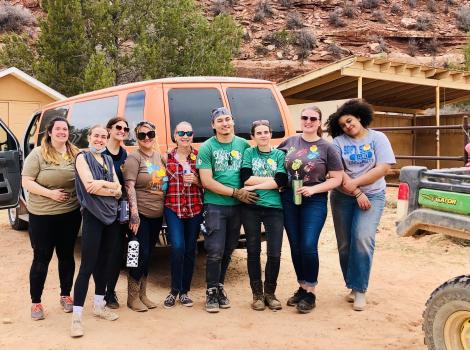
{"x": 10, "y": 168}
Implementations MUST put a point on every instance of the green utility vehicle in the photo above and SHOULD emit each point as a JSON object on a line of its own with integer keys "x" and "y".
{"x": 439, "y": 201}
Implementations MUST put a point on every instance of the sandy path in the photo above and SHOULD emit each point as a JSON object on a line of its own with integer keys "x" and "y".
{"x": 405, "y": 273}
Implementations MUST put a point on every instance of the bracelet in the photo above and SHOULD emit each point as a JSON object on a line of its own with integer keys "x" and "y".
{"x": 233, "y": 192}
{"x": 357, "y": 195}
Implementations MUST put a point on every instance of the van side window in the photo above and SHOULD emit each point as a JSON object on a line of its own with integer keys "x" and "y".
{"x": 194, "y": 106}
{"x": 86, "y": 114}
{"x": 48, "y": 116}
{"x": 250, "y": 104}
{"x": 134, "y": 113}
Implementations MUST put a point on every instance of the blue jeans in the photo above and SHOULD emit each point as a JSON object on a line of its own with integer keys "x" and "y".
{"x": 303, "y": 225}
{"x": 355, "y": 233}
{"x": 182, "y": 234}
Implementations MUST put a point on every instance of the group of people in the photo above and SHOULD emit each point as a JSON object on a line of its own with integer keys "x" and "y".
{"x": 226, "y": 184}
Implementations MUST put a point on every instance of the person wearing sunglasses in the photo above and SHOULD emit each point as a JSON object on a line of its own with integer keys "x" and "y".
{"x": 313, "y": 167}
{"x": 219, "y": 162}
{"x": 118, "y": 131}
{"x": 183, "y": 213}
{"x": 98, "y": 190}
{"x": 263, "y": 172}
{"x": 146, "y": 183}
{"x": 358, "y": 204}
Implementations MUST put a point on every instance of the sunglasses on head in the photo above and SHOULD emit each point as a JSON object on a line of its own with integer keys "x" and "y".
{"x": 119, "y": 127}
{"x": 142, "y": 135}
{"x": 182, "y": 133}
{"x": 260, "y": 122}
{"x": 145, "y": 122}
{"x": 306, "y": 117}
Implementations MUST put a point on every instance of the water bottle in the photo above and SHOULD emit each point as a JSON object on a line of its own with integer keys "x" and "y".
{"x": 186, "y": 170}
{"x": 123, "y": 210}
{"x": 132, "y": 253}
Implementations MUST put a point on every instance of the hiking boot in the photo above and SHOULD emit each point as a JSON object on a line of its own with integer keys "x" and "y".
{"x": 212, "y": 300}
{"x": 298, "y": 295}
{"x": 350, "y": 297}
{"x": 111, "y": 300}
{"x": 224, "y": 302}
{"x": 186, "y": 300}
{"x": 37, "y": 312}
{"x": 359, "y": 301}
{"x": 67, "y": 303}
{"x": 133, "y": 300}
{"x": 258, "y": 296}
{"x": 270, "y": 298}
{"x": 76, "y": 330}
{"x": 103, "y": 312}
{"x": 143, "y": 294}
{"x": 307, "y": 303}
{"x": 170, "y": 300}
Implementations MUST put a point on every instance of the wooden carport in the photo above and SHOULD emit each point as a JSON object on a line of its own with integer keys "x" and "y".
{"x": 390, "y": 86}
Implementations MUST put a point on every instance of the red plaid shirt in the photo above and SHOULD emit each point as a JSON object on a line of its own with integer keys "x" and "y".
{"x": 185, "y": 201}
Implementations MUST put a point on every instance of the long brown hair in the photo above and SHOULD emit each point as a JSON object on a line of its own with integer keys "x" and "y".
{"x": 317, "y": 110}
{"x": 49, "y": 153}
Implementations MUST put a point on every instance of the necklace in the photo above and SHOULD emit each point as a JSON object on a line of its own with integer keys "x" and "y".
{"x": 230, "y": 157}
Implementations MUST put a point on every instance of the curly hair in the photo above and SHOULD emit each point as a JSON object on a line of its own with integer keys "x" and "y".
{"x": 358, "y": 108}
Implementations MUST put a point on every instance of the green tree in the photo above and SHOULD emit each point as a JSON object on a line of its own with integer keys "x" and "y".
{"x": 16, "y": 52}
{"x": 98, "y": 74}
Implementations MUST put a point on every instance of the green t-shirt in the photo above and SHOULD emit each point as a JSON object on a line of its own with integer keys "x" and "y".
{"x": 265, "y": 164}
{"x": 225, "y": 160}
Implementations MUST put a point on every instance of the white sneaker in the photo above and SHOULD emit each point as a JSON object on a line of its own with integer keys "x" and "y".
{"x": 350, "y": 297}
{"x": 104, "y": 313}
{"x": 76, "y": 330}
{"x": 359, "y": 301}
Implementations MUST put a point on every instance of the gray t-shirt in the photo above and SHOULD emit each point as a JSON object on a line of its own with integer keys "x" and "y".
{"x": 360, "y": 156}
{"x": 309, "y": 161}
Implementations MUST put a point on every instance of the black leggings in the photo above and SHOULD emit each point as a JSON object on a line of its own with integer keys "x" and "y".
{"x": 47, "y": 232}
{"x": 116, "y": 257}
{"x": 96, "y": 239}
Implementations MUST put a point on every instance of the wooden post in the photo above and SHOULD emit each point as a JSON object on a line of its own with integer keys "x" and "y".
{"x": 359, "y": 87}
{"x": 465, "y": 138}
{"x": 413, "y": 132}
{"x": 438, "y": 123}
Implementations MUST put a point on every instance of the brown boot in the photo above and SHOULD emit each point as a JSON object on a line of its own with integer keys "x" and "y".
{"x": 133, "y": 300}
{"x": 258, "y": 297}
{"x": 143, "y": 294}
{"x": 270, "y": 299}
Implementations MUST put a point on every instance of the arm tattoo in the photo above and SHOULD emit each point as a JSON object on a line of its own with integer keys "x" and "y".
{"x": 130, "y": 188}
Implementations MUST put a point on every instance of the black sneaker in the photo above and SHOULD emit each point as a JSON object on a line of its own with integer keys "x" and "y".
{"x": 170, "y": 300}
{"x": 185, "y": 300}
{"x": 307, "y": 303}
{"x": 212, "y": 300}
{"x": 111, "y": 300}
{"x": 298, "y": 295}
{"x": 224, "y": 302}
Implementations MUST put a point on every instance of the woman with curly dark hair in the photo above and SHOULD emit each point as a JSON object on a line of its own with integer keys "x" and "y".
{"x": 358, "y": 204}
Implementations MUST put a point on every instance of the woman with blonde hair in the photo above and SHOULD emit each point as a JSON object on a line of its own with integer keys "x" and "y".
{"x": 54, "y": 215}
{"x": 146, "y": 183}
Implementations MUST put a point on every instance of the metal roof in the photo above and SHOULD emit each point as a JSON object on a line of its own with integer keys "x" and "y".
{"x": 388, "y": 85}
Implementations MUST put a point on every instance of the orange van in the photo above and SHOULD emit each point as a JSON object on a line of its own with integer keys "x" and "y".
{"x": 165, "y": 102}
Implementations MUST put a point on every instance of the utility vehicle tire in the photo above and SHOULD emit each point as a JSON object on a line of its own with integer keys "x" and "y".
{"x": 446, "y": 319}
{"x": 15, "y": 222}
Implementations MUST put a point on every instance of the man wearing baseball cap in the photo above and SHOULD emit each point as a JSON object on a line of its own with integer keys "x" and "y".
{"x": 219, "y": 162}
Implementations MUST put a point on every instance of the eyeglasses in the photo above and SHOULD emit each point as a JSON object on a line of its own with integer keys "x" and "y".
{"x": 260, "y": 122}
{"x": 142, "y": 135}
{"x": 119, "y": 128}
{"x": 306, "y": 117}
{"x": 182, "y": 133}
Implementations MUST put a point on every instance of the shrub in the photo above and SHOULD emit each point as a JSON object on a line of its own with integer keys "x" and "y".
{"x": 432, "y": 6}
{"x": 219, "y": 7}
{"x": 335, "y": 19}
{"x": 463, "y": 18}
{"x": 379, "y": 16}
{"x": 412, "y": 47}
{"x": 370, "y": 4}
{"x": 306, "y": 39}
{"x": 286, "y": 3}
{"x": 14, "y": 18}
{"x": 412, "y": 3}
{"x": 263, "y": 10}
{"x": 349, "y": 10}
{"x": 261, "y": 50}
{"x": 279, "y": 39}
{"x": 432, "y": 46}
{"x": 294, "y": 20}
{"x": 424, "y": 22}
{"x": 335, "y": 50}
{"x": 396, "y": 9}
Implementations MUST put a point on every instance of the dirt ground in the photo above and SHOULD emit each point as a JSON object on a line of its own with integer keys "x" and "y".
{"x": 405, "y": 272}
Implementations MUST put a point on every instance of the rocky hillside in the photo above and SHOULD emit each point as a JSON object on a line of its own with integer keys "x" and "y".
{"x": 283, "y": 38}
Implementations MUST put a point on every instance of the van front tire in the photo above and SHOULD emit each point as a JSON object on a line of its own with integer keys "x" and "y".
{"x": 15, "y": 222}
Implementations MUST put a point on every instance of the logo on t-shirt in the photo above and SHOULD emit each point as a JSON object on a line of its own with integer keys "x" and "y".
{"x": 159, "y": 181}
{"x": 362, "y": 154}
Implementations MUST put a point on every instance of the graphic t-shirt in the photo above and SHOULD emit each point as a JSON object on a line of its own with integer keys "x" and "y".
{"x": 360, "y": 156}
{"x": 265, "y": 164}
{"x": 151, "y": 182}
{"x": 309, "y": 161}
{"x": 51, "y": 176}
{"x": 225, "y": 160}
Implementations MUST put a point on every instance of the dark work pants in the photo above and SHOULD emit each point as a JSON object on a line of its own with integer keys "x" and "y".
{"x": 273, "y": 221}
{"x": 96, "y": 239}
{"x": 116, "y": 254}
{"x": 223, "y": 230}
{"x": 47, "y": 232}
